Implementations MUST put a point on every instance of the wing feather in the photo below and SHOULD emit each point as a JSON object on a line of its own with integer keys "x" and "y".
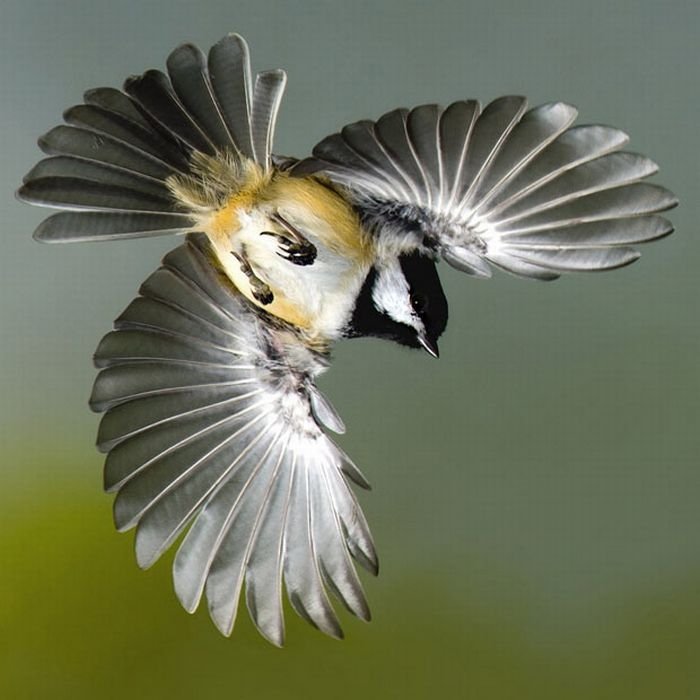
{"x": 162, "y": 523}
{"x": 302, "y": 573}
{"x": 491, "y": 131}
{"x": 486, "y": 188}
{"x": 361, "y": 138}
{"x": 266, "y": 562}
{"x": 195, "y": 556}
{"x": 392, "y": 133}
{"x": 530, "y": 136}
{"x": 334, "y": 558}
{"x": 575, "y": 146}
{"x": 456, "y": 127}
{"x": 604, "y": 173}
{"x": 212, "y": 429}
{"x": 227, "y": 573}
{"x": 424, "y": 135}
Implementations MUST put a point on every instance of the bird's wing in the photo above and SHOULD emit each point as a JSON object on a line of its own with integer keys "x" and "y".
{"x": 505, "y": 186}
{"x": 110, "y": 164}
{"x": 213, "y": 422}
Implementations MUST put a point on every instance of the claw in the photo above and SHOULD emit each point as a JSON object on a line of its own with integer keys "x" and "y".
{"x": 260, "y": 290}
{"x": 294, "y": 246}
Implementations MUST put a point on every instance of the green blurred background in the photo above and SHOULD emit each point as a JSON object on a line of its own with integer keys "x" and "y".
{"x": 536, "y": 491}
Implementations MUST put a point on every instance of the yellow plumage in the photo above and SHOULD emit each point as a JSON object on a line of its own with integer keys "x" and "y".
{"x": 235, "y": 201}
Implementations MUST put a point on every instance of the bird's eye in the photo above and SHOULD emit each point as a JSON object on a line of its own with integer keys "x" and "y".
{"x": 418, "y": 303}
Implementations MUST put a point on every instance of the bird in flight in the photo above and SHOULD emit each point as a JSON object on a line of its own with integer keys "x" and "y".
{"x": 213, "y": 423}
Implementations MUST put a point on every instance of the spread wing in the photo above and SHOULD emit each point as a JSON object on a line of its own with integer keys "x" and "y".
{"x": 212, "y": 421}
{"x": 506, "y": 187}
{"x": 110, "y": 164}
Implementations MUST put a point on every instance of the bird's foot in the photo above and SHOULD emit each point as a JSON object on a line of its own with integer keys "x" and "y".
{"x": 260, "y": 290}
{"x": 293, "y": 245}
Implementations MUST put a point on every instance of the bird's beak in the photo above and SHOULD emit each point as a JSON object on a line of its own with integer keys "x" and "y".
{"x": 429, "y": 344}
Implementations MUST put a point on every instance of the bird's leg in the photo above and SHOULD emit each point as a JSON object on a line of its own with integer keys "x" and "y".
{"x": 293, "y": 245}
{"x": 260, "y": 289}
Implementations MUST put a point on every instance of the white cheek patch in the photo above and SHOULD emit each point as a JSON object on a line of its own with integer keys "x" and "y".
{"x": 392, "y": 295}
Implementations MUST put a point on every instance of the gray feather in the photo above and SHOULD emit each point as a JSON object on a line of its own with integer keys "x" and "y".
{"x": 515, "y": 265}
{"x": 302, "y": 573}
{"x": 114, "y": 100}
{"x": 154, "y": 93}
{"x": 211, "y": 463}
{"x": 264, "y": 575}
{"x": 491, "y": 130}
{"x": 200, "y": 546}
{"x": 117, "y": 151}
{"x": 229, "y": 70}
{"x": 74, "y": 193}
{"x": 568, "y": 259}
{"x": 335, "y": 562}
{"x": 607, "y": 232}
{"x": 578, "y": 145}
{"x": 267, "y": 96}
{"x": 604, "y": 173}
{"x": 335, "y": 149}
{"x": 70, "y": 166}
{"x": 188, "y": 72}
{"x": 361, "y": 138}
{"x": 227, "y": 573}
{"x": 423, "y": 131}
{"x": 119, "y": 127}
{"x": 83, "y": 143}
{"x": 488, "y": 188}
{"x": 391, "y": 132}
{"x": 196, "y": 438}
{"x": 324, "y": 412}
{"x": 127, "y": 458}
{"x": 456, "y": 126}
{"x": 67, "y": 227}
{"x": 530, "y": 136}
{"x": 637, "y": 199}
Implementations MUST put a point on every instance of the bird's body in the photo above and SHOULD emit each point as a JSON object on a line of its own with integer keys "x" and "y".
{"x": 213, "y": 423}
{"x": 235, "y": 207}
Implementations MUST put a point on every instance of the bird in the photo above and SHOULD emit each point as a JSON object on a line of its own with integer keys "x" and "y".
{"x": 214, "y": 429}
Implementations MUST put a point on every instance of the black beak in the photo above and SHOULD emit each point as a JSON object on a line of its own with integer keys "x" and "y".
{"x": 430, "y": 345}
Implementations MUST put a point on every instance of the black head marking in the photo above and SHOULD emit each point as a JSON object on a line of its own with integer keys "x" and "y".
{"x": 426, "y": 298}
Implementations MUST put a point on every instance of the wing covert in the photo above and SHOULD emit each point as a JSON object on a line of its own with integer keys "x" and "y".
{"x": 212, "y": 421}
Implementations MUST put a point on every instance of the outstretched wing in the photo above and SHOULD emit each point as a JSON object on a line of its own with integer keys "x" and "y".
{"x": 520, "y": 190}
{"x": 212, "y": 421}
{"x": 110, "y": 163}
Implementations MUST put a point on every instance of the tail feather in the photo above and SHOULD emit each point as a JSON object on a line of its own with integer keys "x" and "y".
{"x": 269, "y": 87}
{"x": 119, "y": 152}
{"x": 187, "y": 68}
{"x": 229, "y": 70}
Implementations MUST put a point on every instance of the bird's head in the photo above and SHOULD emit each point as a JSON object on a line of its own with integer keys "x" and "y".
{"x": 402, "y": 300}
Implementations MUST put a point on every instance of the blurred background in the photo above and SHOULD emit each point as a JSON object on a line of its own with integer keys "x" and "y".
{"x": 535, "y": 492}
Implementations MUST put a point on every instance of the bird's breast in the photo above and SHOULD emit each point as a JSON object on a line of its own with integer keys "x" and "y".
{"x": 296, "y": 249}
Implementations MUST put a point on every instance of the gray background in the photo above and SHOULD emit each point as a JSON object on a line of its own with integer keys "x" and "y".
{"x": 536, "y": 490}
